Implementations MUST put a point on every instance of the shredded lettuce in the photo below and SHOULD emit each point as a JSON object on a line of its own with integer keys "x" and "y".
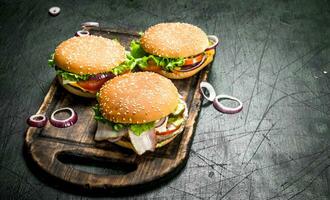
{"x": 137, "y": 129}
{"x": 142, "y": 58}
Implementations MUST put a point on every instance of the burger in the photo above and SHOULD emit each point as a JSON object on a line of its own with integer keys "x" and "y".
{"x": 141, "y": 111}
{"x": 83, "y": 64}
{"x": 174, "y": 50}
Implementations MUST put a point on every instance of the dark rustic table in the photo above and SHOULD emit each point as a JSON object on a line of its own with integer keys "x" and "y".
{"x": 273, "y": 55}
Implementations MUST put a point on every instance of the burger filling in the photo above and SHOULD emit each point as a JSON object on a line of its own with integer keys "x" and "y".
{"x": 90, "y": 82}
{"x": 143, "y": 137}
{"x": 145, "y": 60}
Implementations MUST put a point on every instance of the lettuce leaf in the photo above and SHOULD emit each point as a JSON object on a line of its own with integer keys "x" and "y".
{"x": 51, "y": 62}
{"x": 65, "y": 74}
{"x": 71, "y": 76}
{"x": 99, "y": 117}
{"x": 137, "y": 129}
{"x": 129, "y": 64}
{"x": 141, "y": 58}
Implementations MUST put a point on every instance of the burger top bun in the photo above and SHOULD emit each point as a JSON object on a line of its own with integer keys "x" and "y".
{"x": 174, "y": 40}
{"x": 89, "y": 55}
{"x": 138, "y": 98}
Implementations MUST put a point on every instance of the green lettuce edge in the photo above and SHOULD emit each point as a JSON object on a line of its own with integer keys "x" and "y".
{"x": 137, "y": 129}
{"x": 129, "y": 64}
{"x": 141, "y": 58}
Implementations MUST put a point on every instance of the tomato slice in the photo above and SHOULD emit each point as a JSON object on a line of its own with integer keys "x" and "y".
{"x": 93, "y": 85}
{"x": 168, "y": 131}
{"x": 194, "y": 60}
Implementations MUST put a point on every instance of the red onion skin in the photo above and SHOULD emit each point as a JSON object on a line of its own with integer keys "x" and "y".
{"x": 224, "y": 109}
{"x": 102, "y": 76}
{"x": 31, "y": 121}
{"x": 64, "y": 123}
{"x": 82, "y": 33}
{"x": 192, "y": 67}
{"x": 161, "y": 123}
{"x": 188, "y": 68}
{"x": 115, "y": 139}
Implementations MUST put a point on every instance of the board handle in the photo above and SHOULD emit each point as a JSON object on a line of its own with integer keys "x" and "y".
{"x": 47, "y": 155}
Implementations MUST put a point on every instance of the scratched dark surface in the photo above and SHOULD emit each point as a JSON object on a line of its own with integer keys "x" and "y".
{"x": 273, "y": 55}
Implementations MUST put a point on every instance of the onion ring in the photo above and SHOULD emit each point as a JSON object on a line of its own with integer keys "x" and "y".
{"x": 160, "y": 122}
{"x": 224, "y": 109}
{"x": 64, "y": 123}
{"x": 210, "y": 90}
{"x": 90, "y": 24}
{"x": 114, "y": 139}
{"x": 82, "y": 33}
{"x": 97, "y": 77}
{"x": 187, "y": 68}
{"x": 38, "y": 120}
{"x": 215, "y": 41}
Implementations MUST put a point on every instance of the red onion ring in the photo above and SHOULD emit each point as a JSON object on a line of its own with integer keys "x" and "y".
{"x": 97, "y": 77}
{"x": 160, "y": 122}
{"x": 215, "y": 41}
{"x": 187, "y": 68}
{"x": 209, "y": 88}
{"x": 224, "y": 109}
{"x": 90, "y": 24}
{"x": 82, "y": 33}
{"x": 54, "y": 11}
{"x": 38, "y": 120}
{"x": 65, "y": 122}
{"x": 115, "y": 139}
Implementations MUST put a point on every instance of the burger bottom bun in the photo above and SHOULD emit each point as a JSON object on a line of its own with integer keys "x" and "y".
{"x": 74, "y": 90}
{"x": 182, "y": 75}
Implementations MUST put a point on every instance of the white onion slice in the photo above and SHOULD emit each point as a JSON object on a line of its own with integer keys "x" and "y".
{"x": 90, "y": 24}
{"x": 161, "y": 122}
{"x": 205, "y": 85}
{"x": 224, "y": 109}
{"x": 64, "y": 123}
{"x": 144, "y": 142}
{"x": 54, "y": 11}
{"x": 38, "y": 120}
{"x": 105, "y": 132}
{"x": 187, "y": 68}
{"x": 161, "y": 127}
{"x": 82, "y": 33}
{"x": 115, "y": 139}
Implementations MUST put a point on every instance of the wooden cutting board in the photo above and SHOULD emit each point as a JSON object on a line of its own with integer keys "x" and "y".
{"x": 60, "y": 152}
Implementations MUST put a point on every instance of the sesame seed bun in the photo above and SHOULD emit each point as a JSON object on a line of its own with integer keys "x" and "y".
{"x": 138, "y": 98}
{"x": 181, "y": 75}
{"x": 89, "y": 55}
{"x": 174, "y": 40}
